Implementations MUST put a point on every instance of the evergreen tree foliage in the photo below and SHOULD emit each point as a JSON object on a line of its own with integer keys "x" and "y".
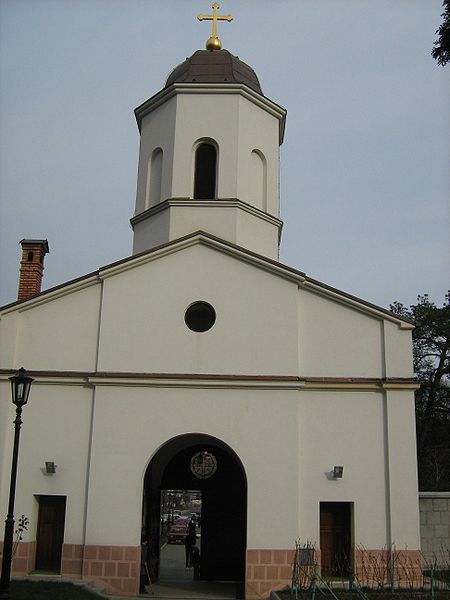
{"x": 441, "y": 50}
{"x": 431, "y": 353}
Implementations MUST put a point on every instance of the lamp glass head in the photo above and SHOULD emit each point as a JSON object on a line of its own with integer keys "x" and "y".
{"x": 20, "y": 387}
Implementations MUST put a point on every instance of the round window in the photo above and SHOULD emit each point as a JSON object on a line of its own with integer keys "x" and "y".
{"x": 203, "y": 464}
{"x": 200, "y": 316}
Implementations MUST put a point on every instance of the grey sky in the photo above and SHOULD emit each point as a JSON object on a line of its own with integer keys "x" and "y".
{"x": 364, "y": 165}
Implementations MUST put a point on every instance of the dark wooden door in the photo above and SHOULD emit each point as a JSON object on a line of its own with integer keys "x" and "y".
{"x": 50, "y": 534}
{"x": 335, "y": 538}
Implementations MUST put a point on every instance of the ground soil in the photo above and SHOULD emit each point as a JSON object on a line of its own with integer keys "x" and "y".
{"x": 371, "y": 594}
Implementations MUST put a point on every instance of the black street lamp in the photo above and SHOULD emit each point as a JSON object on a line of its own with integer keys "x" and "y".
{"x": 20, "y": 389}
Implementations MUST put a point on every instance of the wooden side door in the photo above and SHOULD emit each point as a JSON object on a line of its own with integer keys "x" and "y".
{"x": 335, "y": 538}
{"x": 326, "y": 538}
{"x": 50, "y": 533}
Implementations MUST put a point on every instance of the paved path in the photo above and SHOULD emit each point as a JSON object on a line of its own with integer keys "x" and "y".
{"x": 175, "y": 581}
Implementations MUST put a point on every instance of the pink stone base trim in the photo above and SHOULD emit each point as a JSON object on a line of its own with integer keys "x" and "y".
{"x": 271, "y": 570}
{"x": 24, "y": 557}
{"x": 115, "y": 569}
{"x": 72, "y": 561}
{"x": 267, "y": 570}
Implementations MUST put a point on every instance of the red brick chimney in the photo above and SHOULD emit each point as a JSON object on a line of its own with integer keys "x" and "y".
{"x": 31, "y": 268}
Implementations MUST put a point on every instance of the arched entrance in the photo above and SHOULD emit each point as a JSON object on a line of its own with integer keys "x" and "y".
{"x": 224, "y": 504}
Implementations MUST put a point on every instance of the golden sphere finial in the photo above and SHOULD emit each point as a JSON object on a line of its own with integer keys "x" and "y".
{"x": 213, "y": 43}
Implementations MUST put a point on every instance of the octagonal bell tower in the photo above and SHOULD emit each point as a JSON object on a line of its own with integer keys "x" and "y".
{"x": 209, "y": 157}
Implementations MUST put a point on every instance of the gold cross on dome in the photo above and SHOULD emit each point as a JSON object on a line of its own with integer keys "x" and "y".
{"x": 213, "y": 43}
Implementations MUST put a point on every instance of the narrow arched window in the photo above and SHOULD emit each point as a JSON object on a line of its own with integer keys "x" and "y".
{"x": 154, "y": 178}
{"x": 205, "y": 172}
{"x": 258, "y": 174}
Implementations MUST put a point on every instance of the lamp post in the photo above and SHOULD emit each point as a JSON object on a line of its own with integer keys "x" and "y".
{"x": 20, "y": 389}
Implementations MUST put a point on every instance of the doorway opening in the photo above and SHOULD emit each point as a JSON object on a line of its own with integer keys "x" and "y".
{"x": 50, "y": 533}
{"x": 180, "y": 509}
{"x": 335, "y": 538}
{"x": 196, "y": 477}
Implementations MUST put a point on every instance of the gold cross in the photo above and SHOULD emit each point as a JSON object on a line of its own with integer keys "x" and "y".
{"x": 213, "y": 43}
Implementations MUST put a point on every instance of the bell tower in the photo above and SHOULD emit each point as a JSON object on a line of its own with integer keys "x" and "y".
{"x": 209, "y": 155}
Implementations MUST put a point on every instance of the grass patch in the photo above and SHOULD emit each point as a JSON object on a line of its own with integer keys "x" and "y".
{"x": 48, "y": 590}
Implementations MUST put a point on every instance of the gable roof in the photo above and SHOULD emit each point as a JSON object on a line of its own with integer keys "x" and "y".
{"x": 201, "y": 237}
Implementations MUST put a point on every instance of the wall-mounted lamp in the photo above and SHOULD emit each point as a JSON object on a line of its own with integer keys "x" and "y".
{"x": 50, "y": 467}
{"x": 338, "y": 472}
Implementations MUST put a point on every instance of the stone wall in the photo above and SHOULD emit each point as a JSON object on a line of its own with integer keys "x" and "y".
{"x": 435, "y": 526}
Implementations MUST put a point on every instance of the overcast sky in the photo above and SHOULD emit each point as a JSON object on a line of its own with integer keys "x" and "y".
{"x": 365, "y": 162}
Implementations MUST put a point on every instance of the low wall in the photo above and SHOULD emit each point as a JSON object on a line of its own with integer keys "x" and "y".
{"x": 435, "y": 527}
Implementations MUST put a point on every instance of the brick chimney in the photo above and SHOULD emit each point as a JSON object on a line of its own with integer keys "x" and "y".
{"x": 31, "y": 268}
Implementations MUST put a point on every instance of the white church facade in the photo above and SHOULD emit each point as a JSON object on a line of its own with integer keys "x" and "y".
{"x": 202, "y": 341}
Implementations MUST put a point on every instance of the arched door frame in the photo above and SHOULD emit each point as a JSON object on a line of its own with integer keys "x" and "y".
{"x": 233, "y": 480}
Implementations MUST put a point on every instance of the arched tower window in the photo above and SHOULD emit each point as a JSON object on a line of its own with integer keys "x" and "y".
{"x": 205, "y": 172}
{"x": 154, "y": 177}
{"x": 259, "y": 180}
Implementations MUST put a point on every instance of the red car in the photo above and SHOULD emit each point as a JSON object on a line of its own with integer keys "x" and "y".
{"x": 178, "y": 532}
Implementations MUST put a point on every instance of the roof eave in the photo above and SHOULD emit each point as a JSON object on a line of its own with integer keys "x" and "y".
{"x": 277, "y": 268}
{"x": 212, "y": 88}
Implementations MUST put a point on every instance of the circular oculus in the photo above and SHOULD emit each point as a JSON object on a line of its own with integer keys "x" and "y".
{"x": 203, "y": 464}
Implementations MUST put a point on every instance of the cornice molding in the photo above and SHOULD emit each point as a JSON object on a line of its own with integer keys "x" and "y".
{"x": 213, "y": 204}
{"x": 213, "y": 88}
{"x": 214, "y": 380}
{"x": 76, "y": 285}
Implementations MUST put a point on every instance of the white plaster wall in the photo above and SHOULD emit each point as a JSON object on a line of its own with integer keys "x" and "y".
{"x": 238, "y": 126}
{"x": 337, "y": 341}
{"x": 8, "y": 335}
{"x": 398, "y": 351}
{"x": 258, "y": 130}
{"x": 230, "y": 223}
{"x": 152, "y": 232}
{"x": 258, "y": 235}
{"x": 404, "y": 491}
{"x": 343, "y": 428}
{"x": 206, "y": 116}
{"x": 221, "y": 219}
{"x": 60, "y": 334}
{"x": 157, "y": 131}
{"x": 215, "y": 219}
{"x": 263, "y": 427}
{"x": 56, "y": 427}
{"x": 246, "y": 420}
{"x": 143, "y": 315}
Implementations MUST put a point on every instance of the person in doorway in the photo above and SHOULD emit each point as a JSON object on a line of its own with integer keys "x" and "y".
{"x": 196, "y": 561}
{"x": 189, "y": 543}
{"x": 192, "y": 526}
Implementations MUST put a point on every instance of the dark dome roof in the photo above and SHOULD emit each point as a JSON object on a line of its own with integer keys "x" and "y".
{"x": 217, "y": 66}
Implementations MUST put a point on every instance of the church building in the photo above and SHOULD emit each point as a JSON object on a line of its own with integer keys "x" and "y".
{"x": 200, "y": 362}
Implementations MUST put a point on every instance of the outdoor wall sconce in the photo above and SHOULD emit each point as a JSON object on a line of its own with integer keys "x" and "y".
{"x": 50, "y": 467}
{"x": 338, "y": 472}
